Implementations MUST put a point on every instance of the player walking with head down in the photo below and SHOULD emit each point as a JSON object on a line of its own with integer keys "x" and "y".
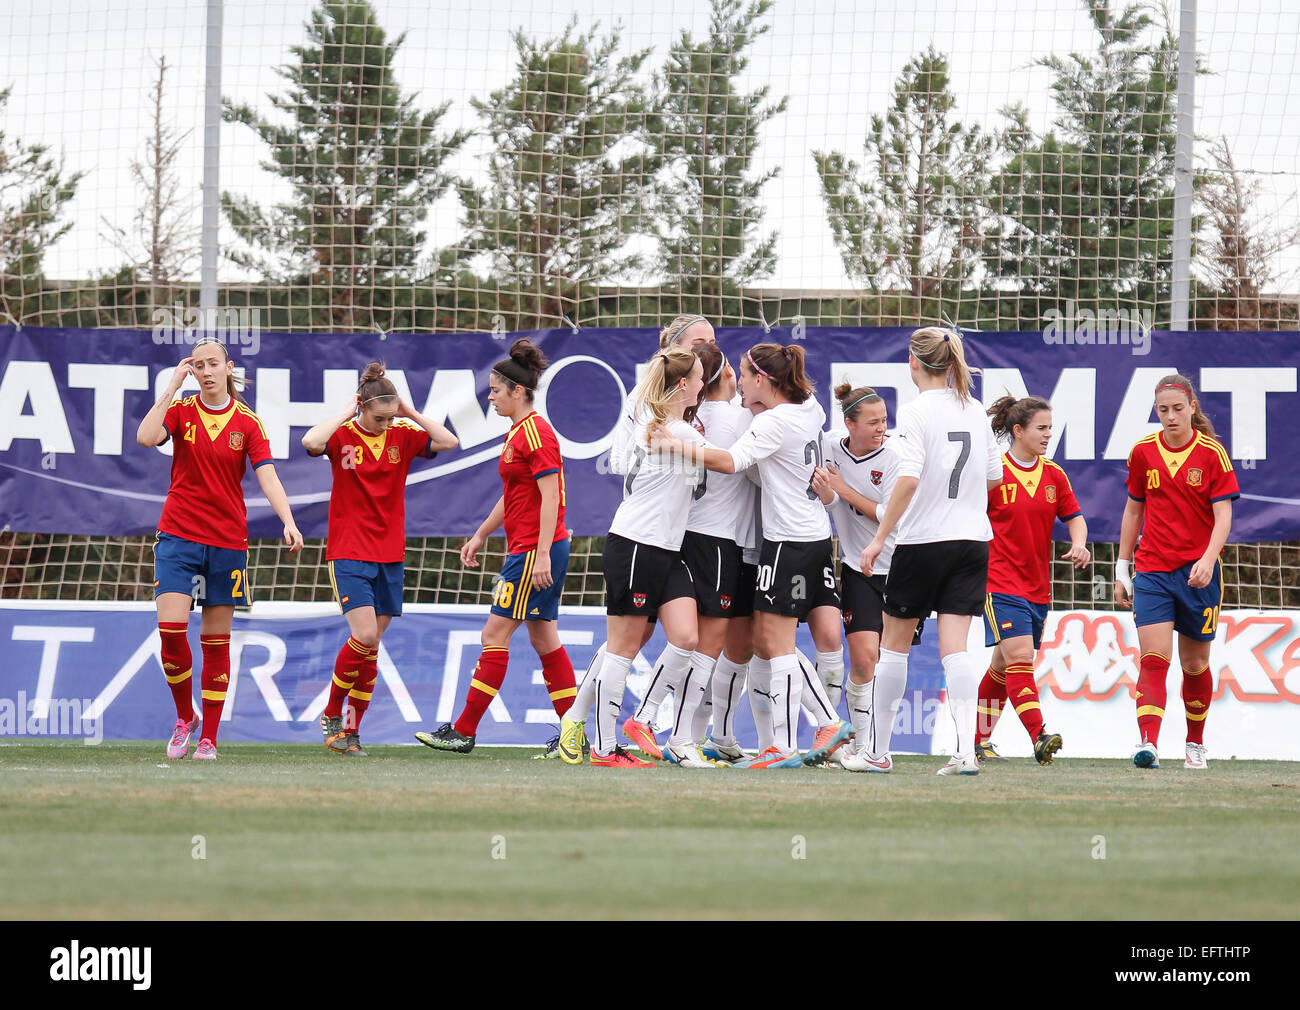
{"x": 643, "y": 567}
{"x": 948, "y": 462}
{"x": 371, "y": 447}
{"x": 201, "y": 554}
{"x": 795, "y": 565}
{"x": 532, "y": 578}
{"x": 1033, "y": 494}
{"x": 1180, "y": 486}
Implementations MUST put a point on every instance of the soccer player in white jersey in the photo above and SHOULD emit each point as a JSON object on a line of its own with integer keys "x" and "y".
{"x": 643, "y": 568}
{"x": 856, "y": 481}
{"x": 784, "y": 441}
{"x": 948, "y": 462}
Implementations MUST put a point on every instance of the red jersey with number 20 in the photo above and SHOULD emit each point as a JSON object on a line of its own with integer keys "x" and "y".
{"x": 1022, "y": 511}
{"x": 1179, "y": 489}
{"x": 210, "y": 452}
{"x": 368, "y": 497}
{"x": 531, "y": 452}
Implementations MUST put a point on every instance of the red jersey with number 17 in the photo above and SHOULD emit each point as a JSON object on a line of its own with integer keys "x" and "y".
{"x": 368, "y": 496}
{"x": 1022, "y": 511}
{"x": 1178, "y": 488}
{"x": 531, "y": 452}
{"x": 210, "y": 451}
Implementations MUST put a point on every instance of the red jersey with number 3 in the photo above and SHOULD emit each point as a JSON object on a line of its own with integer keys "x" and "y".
{"x": 210, "y": 452}
{"x": 531, "y": 452}
{"x": 1179, "y": 488}
{"x": 1022, "y": 511}
{"x": 368, "y": 497}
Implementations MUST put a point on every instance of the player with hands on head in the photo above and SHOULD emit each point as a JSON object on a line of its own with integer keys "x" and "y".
{"x": 1181, "y": 486}
{"x": 201, "y": 552}
{"x": 370, "y": 445}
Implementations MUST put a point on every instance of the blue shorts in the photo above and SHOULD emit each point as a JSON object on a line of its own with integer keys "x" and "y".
{"x": 210, "y": 576}
{"x": 368, "y": 584}
{"x": 514, "y": 596}
{"x": 1159, "y": 597}
{"x": 1007, "y": 616}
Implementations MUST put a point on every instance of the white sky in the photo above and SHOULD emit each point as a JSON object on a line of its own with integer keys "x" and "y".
{"x": 81, "y": 71}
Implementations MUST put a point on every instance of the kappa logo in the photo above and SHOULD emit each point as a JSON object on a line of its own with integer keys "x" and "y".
{"x": 725, "y": 601}
{"x": 876, "y": 477}
{"x": 1051, "y": 493}
{"x": 1194, "y": 476}
{"x": 236, "y": 440}
{"x": 638, "y": 600}
{"x": 394, "y": 456}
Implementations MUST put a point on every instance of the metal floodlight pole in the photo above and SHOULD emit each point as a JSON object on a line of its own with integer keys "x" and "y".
{"x": 211, "y": 168}
{"x": 1183, "y": 153}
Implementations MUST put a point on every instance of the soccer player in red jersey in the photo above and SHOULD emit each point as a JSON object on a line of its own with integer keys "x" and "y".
{"x": 532, "y": 578}
{"x": 1034, "y": 493}
{"x": 201, "y": 553}
{"x": 1180, "y": 487}
{"x": 371, "y": 447}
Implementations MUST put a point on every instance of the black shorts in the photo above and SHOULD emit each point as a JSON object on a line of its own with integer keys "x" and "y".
{"x": 949, "y": 577}
{"x": 864, "y": 603}
{"x": 793, "y": 578}
{"x": 714, "y": 564}
{"x": 744, "y": 604}
{"x": 639, "y": 578}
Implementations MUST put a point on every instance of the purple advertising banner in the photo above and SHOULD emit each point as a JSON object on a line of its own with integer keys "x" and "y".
{"x": 70, "y": 401}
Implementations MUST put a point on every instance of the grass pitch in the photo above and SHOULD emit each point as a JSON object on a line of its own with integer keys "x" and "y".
{"x": 115, "y": 832}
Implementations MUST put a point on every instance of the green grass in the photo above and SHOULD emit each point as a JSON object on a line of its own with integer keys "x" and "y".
{"x": 291, "y": 832}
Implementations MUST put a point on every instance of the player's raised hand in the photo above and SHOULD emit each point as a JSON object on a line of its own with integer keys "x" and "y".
{"x": 658, "y": 438}
{"x": 1080, "y": 556}
{"x": 469, "y": 552}
{"x": 180, "y": 373}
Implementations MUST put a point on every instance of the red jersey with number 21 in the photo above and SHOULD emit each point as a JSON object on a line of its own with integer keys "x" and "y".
{"x": 1022, "y": 511}
{"x": 210, "y": 451}
{"x": 1179, "y": 489}
{"x": 531, "y": 452}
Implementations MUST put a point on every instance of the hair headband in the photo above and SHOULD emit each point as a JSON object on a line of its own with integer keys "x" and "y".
{"x": 1176, "y": 385}
{"x": 754, "y": 365}
{"x": 678, "y": 335}
{"x": 506, "y": 375}
{"x": 714, "y": 377}
{"x": 869, "y": 396}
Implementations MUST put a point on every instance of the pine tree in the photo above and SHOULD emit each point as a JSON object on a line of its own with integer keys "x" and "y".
{"x": 364, "y": 163}
{"x": 911, "y": 214}
{"x": 709, "y": 218}
{"x": 567, "y": 175}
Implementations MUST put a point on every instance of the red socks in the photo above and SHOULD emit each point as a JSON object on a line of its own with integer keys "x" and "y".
{"x": 993, "y": 695}
{"x": 1151, "y": 693}
{"x": 1197, "y": 689}
{"x": 1022, "y": 695}
{"x": 216, "y": 678}
{"x": 178, "y": 665}
{"x": 557, "y": 671}
{"x": 346, "y": 667}
{"x": 489, "y": 675}
{"x": 359, "y": 696}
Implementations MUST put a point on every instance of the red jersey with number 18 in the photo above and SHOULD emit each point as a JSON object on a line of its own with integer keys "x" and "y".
{"x": 1022, "y": 510}
{"x": 368, "y": 496}
{"x": 531, "y": 452}
{"x": 210, "y": 451}
{"x": 1179, "y": 488}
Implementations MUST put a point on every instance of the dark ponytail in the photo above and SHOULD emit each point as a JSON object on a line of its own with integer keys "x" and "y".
{"x": 1007, "y": 412}
{"x": 524, "y": 367}
{"x": 783, "y": 367}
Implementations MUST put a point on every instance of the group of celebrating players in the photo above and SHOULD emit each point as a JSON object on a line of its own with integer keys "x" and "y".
{"x": 724, "y": 537}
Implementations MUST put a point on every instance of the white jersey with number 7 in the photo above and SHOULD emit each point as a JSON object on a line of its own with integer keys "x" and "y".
{"x": 949, "y": 446}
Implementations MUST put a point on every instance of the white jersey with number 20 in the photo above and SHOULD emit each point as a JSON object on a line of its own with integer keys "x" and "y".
{"x": 949, "y": 446}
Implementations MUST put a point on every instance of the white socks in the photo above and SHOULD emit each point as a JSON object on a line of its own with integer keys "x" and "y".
{"x": 963, "y": 698}
{"x": 813, "y": 694}
{"x": 728, "y": 683}
{"x": 830, "y": 668}
{"x": 687, "y": 699}
{"x": 786, "y": 690}
{"x": 859, "y": 696}
{"x": 887, "y": 693}
{"x": 611, "y": 679}
{"x": 586, "y": 695}
{"x": 760, "y": 700}
{"x": 669, "y": 669}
